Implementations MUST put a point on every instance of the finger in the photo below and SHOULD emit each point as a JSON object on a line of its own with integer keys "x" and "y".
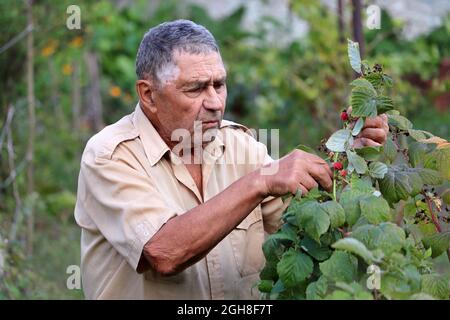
{"x": 376, "y": 122}
{"x": 308, "y": 182}
{"x": 323, "y": 165}
{"x": 303, "y": 188}
{"x": 367, "y": 143}
{"x": 375, "y": 134}
{"x": 323, "y": 177}
{"x": 349, "y": 110}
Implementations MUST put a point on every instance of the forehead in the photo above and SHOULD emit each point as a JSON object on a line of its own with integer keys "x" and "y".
{"x": 199, "y": 66}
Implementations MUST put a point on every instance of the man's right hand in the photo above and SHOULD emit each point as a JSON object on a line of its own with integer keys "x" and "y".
{"x": 296, "y": 170}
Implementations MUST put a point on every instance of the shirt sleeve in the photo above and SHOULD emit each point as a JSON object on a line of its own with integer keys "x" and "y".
{"x": 122, "y": 202}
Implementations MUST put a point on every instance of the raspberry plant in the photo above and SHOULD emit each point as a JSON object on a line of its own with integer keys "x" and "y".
{"x": 376, "y": 235}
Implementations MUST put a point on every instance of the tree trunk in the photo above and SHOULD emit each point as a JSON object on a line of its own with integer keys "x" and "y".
{"x": 94, "y": 99}
{"x": 31, "y": 127}
{"x": 340, "y": 14}
{"x": 76, "y": 97}
{"x": 358, "y": 34}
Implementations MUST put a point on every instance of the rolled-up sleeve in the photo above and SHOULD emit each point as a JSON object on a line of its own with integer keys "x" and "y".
{"x": 122, "y": 202}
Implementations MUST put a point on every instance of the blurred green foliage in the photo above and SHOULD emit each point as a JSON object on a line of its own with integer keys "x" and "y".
{"x": 298, "y": 88}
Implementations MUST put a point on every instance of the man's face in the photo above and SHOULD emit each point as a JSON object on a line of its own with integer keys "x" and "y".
{"x": 194, "y": 91}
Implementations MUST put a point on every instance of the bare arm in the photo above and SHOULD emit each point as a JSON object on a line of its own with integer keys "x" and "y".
{"x": 187, "y": 238}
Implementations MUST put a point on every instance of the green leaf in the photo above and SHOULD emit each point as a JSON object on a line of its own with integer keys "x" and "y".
{"x": 317, "y": 290}
{"x": 375, "y": 209}
{"x": 314, "y": 249}
{"x": 265, "y": 286}
{"x": 335, "y": 212}
{"x": 341, "y": 266}
{"x": 384, "y": 104}
{"x": 429, "y": 176}
{"x": 269, "y": 272}
{"x": 339, "y": 295}
{"x": 354, "y": 55}
{"x": 272, "y": 247}
{"x": 438, "y": 242}
{"x": 364, "y": 102}
{"x": 419, "y": 134}
{"x": 443, "y": 161}
{"x": 377, "y": 170}
{"x": 294, "y": 267}
{"x": 358, "y": 126}
{"x": 400, "y": 122}
{"x": 361, "y": 82}
{"x": 357, "y": 162}
{"x": 313, "y": 219}
{"x": 306, "y": 149}
{"x": 369, "y": 153}
{"x": 399, "y": 183}
{"x": 340, "y": 140}
{"x": 386, "y": 236}
{"x": 435, "y": 285}
{"x": 356, "y": 247}
{"x": 390, "y": 150}
{"x": 417, "y": 152}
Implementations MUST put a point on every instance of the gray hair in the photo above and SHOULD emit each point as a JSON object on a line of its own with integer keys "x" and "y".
{"x": 158, "y": 45}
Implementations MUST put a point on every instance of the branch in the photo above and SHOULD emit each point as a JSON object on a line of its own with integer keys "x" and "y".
{"x": 17, "y": 38}
{"x": 435, "y": 220}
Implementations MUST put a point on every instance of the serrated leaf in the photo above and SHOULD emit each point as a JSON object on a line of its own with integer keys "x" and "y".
{"x": 361, "y": 82}
{"x": 390, "y": 150}
{"x": 428, "y": 176}
{"x": 419, "y": 134}
{"x": 269, "y": 272}
{"x": 416, "y": 153}
{"x": 384, "y": 104}
{"x": 386, "y": 236}
{"x": 313, "y": 219}
{"x": 317, "y": 290}
{"x": 358, "y": 126}
{"x": 294, "y": 267}
{"x": 354, "y": 55}
{"x": 314, "y": 249}
{"x": 375, "y": 209}
{"x": 357, "y": 162}
{"x": 377, "y": 170}
{"x": 356, "y": 247}
{"x": 435, "y": 285}
{"x": 341, "y": 266}
{"x": 399, "y": 183}
{"x": 443, "y": 161}
{"x": 369, "y": 153}
{"x": 364, "y": 102}
{"x": 335, "y": 212}
{"x": 340, "y": 140}
{"x": 265, "y": 286}
{"x": 438, "y": 242}
{"x": 400, "y": 122}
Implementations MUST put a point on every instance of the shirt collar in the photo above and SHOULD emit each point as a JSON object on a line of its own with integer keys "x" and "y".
{"x": 155, "y": 147}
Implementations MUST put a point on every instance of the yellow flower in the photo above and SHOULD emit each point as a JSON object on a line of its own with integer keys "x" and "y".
{"x": 67, "y": 69}
{"x": 76, "y": 42}
{"x": 49, "y": 49}
{"x": 115, "y": 91}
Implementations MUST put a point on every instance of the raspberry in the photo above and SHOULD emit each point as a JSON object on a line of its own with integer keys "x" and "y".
{"x": 344, "y": 115}
{"x": 343, "y": 173}
{"x": 338, "y": 165}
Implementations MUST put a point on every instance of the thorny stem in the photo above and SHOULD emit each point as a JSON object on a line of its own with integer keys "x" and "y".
{"x": 335, "y": 158}
{"x": 435, "y": 220}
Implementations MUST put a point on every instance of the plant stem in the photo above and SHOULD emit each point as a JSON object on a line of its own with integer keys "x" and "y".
{"x": 435, "y": 220}
{"x": 336, "y": 156}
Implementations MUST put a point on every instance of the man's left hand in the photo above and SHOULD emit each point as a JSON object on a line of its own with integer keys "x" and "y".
{"x": 374, "y": 133}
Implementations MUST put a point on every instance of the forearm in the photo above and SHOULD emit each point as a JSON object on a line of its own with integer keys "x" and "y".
{"x": 187, "y": 238}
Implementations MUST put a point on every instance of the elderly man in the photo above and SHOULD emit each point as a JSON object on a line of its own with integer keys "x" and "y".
{"x": 164, "y": 219}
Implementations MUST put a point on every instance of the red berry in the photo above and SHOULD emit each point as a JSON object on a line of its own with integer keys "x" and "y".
{"x": 343, "y": 173}
{"x": 344, "y": 116}
{"x": 338, "y": 165}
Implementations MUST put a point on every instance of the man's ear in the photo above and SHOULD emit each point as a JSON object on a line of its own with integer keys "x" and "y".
{"x": 145, "y": 90}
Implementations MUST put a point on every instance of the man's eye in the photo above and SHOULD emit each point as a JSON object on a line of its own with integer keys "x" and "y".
{"x": 219, "y": 85}
{"x": 197, "y": 89}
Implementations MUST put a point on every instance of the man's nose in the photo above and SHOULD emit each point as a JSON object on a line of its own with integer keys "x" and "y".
{"x": 212, "y": 100}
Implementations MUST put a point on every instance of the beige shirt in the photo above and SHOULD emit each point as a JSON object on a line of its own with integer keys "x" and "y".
{"x": 131, "y": 184}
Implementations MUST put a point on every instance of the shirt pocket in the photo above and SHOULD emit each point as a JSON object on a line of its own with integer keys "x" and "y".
{"x": 247, "y": 240}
